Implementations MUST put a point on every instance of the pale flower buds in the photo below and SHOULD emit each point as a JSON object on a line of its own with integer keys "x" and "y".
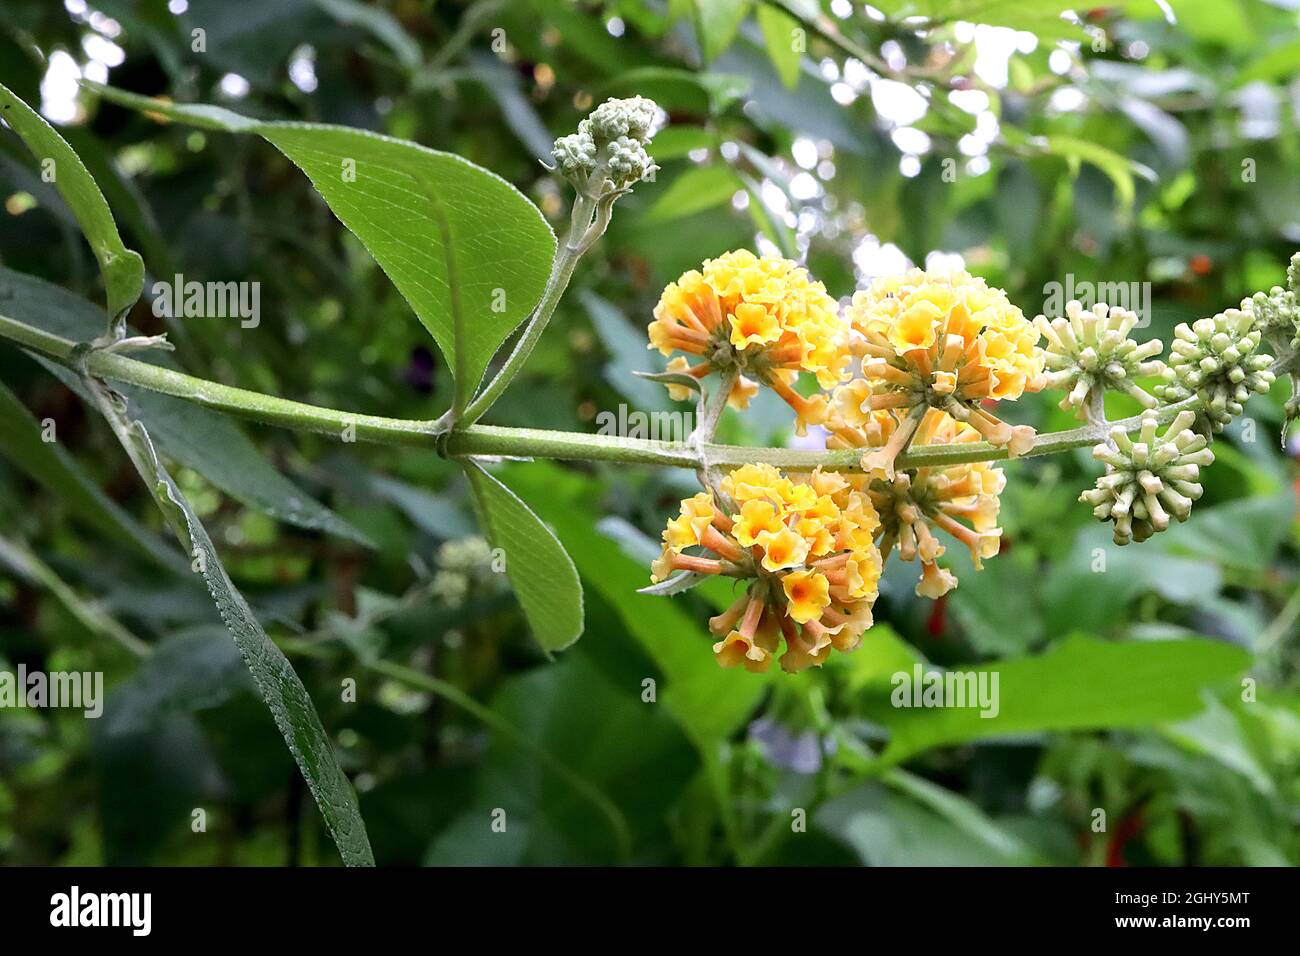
{"x": 1218, "y": 360}
{"x": 607, "y": 155}
{"x": 1277, "y": 311}
{"x": 633, "y": 117}
{"x": 1151, "y": 480}
{"x": 628, "y": 161}
{"x": 575, "y": 155}
{"x": 1089, "y": 351}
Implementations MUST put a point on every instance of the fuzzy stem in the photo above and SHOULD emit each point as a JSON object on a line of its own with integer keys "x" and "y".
{"x": 570, "y": 251}
{"x": 489, "y": 441}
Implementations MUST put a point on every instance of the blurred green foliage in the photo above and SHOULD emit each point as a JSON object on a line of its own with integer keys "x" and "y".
{"x": 1121, "y": 149}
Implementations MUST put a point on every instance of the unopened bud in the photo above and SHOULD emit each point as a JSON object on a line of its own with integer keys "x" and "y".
{"x": 1150, "y": 481}
{"x": 634, "y": 118}
{"x": 607, "y": 155}
{"x": 1218, "y": 360}
{"x": 1089, "y": 351}
{"x": 575, "y": 155}
{"x": 628, "y": 162}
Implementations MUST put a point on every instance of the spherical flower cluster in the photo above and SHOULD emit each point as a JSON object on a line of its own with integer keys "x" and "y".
{"x": 763, "y": 316}
{"x": 1148, "y": 481}
{"x": 807, "y": 548}
{"x": 934, "y": 351}
{"x": 1218, "y": 361}
{"x": 946, "y": 342}
{"x": 814, "y": 547}
{"x": 1089, "y": 351}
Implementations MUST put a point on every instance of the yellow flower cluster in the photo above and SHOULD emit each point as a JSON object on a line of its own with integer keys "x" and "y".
{"x": 932, "y": 351}
{"x": 807, "y": 547}
{"x": 761, "y": 315}
{"x": 941, "y": 341}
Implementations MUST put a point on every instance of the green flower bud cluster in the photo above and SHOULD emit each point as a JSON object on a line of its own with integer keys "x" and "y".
{"x": 575, "y": 155}
{"x": 1089, "y": 351}
{"x": 1277, "y": 314}
{"x": 1150, "y": 480}
{"x": 607, "y": 155}
{"x": 1218, "y": 360}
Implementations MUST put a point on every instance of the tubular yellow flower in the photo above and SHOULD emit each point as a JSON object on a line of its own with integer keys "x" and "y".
{"x": 752, "y": 644}
{"x": 782, "y": 549}
{"x": 762, "y": 315}
{"x": 961, "y": 500}
{"x": 938, "y": 341}
{"x": 808, "y": 594}
{"x": 757, "y": 516}
{"x": 804, "y": 544}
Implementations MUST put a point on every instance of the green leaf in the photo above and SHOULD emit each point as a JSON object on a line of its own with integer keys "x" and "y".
{"x": 695, "y": 190}
{"x": 779, "y": 34}
{"x": 503, "y": 83}
{"x": 1082, "y": 594}
{"x": 199, "y": 438}
{"x": 1220, "y": 733}
{"x": 542, "y": 574}
{"x": 1079, "y": 684}
{"x": 923, "y": 825}
{"x": 710, "y": 703}
{"x": 676, "y": 141}
{"x": 1246, "y": 533}
{"x": 630, "y": 361}
{"x": 1019, "y": 206}
{"x": 455, "y": 238}
{"x": 1040, "y": 17}
{"x": 433, "y": 514}
{"x": 215, "y": 447}
{"x": 998, "y": 607}
{"x": 1278, "y": 63}
{"x": 22, "y": 561}
{"x": 716, "y": 23}
{"x": 560, "y": 734}
{"x": 123, "y": 269}
{"x": 380, "y": 24}
{"x": 188, "y": 671}
{"x": 679, "y": 90}
{"x": 280, "y": 687}
{"x": 1119, "y": 169}
{"x": 50, "y": 464}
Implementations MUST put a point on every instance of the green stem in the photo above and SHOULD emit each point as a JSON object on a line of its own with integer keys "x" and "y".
{"x": 566, "y": 259}
{"x": 1282, "y": 625}
{"x": 710, "y": 411}
{"x": 236, "y": 401}
{"x": 491, "y": 441}
{"x": 25, "y": 562}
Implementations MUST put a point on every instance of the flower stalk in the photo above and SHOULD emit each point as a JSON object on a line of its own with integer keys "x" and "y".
{"x": 487, "y": 440}
{"x": 603, "y": 160}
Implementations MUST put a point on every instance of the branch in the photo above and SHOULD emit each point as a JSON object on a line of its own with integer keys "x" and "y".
{"x": 492, "y": 441}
